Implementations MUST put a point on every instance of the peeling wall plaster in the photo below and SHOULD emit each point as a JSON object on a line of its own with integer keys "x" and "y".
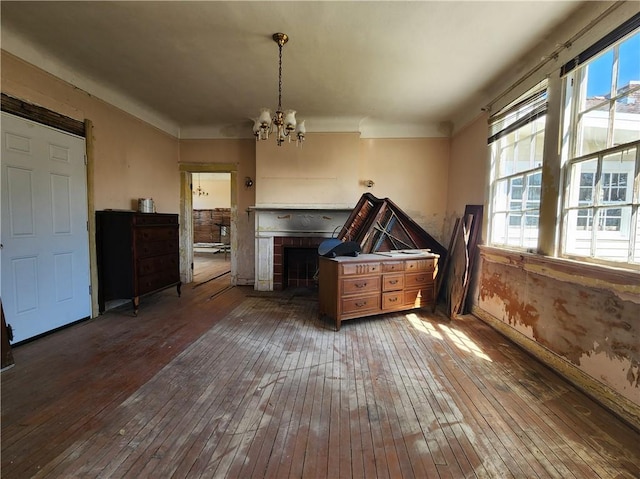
{"x": 572, "y": 320}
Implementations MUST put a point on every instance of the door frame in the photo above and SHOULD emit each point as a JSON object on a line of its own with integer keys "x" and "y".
{"x": 186, "y": 208}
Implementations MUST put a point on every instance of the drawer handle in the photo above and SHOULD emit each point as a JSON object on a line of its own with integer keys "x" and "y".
{"x": 393, "y": 281}
{"x": 421, "y": 278}
{"x": 360, "y": 285}
{"x": 361, "y": 304}
{"x": 393, "y": 300}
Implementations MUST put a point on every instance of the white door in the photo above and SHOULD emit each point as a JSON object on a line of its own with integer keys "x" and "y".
{"x": 45, "y": 244}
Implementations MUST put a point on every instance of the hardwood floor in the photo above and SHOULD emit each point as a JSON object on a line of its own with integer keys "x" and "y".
{"x": 228, "y": 382}
{"x": 207, "y": 266}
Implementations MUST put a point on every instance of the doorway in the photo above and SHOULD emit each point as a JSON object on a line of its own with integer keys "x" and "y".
{"x": 211, "y": 220}
{"x": 189, "y": 182}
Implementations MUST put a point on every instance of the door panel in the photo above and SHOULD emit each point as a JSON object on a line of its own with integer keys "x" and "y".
{"x": 45, "y": 254}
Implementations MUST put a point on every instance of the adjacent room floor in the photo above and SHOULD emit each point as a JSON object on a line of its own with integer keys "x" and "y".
{"x": 229, "y": 382}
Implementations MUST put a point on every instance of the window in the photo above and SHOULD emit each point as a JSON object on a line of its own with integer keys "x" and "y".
{"x": 601, "y": 155}
{"x": 516, "y": 142}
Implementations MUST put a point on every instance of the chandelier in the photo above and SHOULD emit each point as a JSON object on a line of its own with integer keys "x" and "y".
{"x": 283, "y": 124}
{"x": 199, "y": 190}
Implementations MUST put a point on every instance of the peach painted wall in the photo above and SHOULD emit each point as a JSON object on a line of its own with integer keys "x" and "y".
{"x": 132, "y": 158}
{"x": 468, "y": 170}
{"x": 217, "y": 187}
{"x": 241, "y": 154}
{"x": 413, "y": 173}
{"x": 324, "y": 171}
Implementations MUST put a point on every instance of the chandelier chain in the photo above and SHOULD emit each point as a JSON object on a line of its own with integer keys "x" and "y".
{"x": 280, "y": 78}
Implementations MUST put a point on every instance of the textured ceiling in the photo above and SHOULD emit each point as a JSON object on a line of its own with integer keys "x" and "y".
{"x": 201, "y": 64}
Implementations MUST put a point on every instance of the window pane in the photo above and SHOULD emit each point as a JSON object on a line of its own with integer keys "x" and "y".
{"x": 521, "y": 150}
{"x": 514, "y": 233}
{"x": 618, "y": 170}
{"x": 498, "y": 229}
{"x": 530, "y": 230}
{"x": 629, "y": 62}
{"x": 582, "y": 183}
{"x": 593, "y": 129}
{"x": 506, "y": 160}
{"x": 626, "y": 125}
{"x": 612, "y": 236}
{"x": 598, "y": 75}
{"x": 539, "y": 145}
{"x": 501, "y": 195}
{"x": 579, "y": 232}
{"x": 636, "y": 252}
{"x": 534, "y": 181}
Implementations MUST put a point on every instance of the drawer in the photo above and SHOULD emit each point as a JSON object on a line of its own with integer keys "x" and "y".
{"x": 413, "y": 280}
{"x": 360, "y": 268}
{"x": 417, "y": 298}
{"x": 149, "y": 283}
{"x": 154, "y": 248}
{"x": 420, "y": 265}
{"x": 155, "y": 234}
{"x": 393, "y": 300}
{"x": 155, "y": 219}
{"x": 390, "y": 266}
{"x": 360, "y": 304}
{"x": 366, "y": 284}
{"x": 392, "y": 282}
{"x": 156, "y": 264}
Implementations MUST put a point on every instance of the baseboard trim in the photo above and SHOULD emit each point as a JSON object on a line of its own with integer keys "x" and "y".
{"x": 619, "y": 405}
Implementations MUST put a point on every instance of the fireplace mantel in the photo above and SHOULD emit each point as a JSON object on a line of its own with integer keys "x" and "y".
{"x": 315, "y": 207}
{"x": 273, "y": 221}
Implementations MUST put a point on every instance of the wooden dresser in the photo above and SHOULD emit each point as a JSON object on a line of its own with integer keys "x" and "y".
{"x": 138, "y": 253}
{"x": 370, "y": 284}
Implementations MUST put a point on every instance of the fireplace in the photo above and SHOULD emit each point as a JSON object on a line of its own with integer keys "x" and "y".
{"x": 288, "y": 237}
{"x": 295, "y": 261}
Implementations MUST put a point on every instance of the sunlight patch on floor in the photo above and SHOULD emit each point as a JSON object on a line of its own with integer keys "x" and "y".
{"x": 423, "y": 326}
{"x": 463, "y": 342}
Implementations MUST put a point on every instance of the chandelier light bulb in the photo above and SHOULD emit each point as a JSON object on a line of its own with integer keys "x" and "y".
{"x": 290, "y": 120}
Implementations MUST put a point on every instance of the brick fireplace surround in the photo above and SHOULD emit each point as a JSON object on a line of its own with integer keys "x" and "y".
{"x": 280, "y": 245}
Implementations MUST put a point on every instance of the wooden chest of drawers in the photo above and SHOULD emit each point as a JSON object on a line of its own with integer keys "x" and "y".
{"x": 138, "y": 253}
{"x": 370, "y": 284}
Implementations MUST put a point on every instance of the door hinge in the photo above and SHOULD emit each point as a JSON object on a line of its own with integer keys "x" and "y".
{"x": 87, "y": 225}
{"x": 86, "y": 162}
{"x": 90, "y": 289}
{"x": 191, "y": 266}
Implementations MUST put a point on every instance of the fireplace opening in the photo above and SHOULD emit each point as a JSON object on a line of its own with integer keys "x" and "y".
{"x": 302, "y": 272}
{"x": 300, "y": 266}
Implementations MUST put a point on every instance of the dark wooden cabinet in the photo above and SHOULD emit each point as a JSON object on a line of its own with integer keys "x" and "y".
{"x": 138, "y": 253}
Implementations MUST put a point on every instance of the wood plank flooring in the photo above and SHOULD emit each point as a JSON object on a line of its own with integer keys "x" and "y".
{"x": 228, "y": 382}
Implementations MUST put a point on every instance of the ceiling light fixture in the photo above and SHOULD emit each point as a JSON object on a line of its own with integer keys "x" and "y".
{"x": 199, "y": 190}
{"x": 283, "y": 124}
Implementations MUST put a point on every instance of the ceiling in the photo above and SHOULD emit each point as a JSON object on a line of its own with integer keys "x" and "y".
{"x": 189, "y": 66}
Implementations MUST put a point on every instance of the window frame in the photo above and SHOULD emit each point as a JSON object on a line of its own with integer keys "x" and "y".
{"x": 575, "y": 111}
{"x": 534, "y": 106}
{"x": 598, "y": 204}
